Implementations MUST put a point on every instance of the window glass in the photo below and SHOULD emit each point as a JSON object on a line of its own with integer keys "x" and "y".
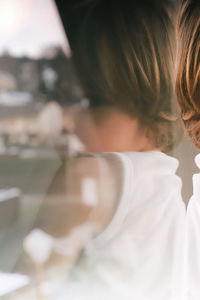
{"x": 91, "y": 143}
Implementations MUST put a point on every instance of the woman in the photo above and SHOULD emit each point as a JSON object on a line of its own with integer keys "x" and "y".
{"x": 123, "y": 56}
{"x": 188, "y": 94}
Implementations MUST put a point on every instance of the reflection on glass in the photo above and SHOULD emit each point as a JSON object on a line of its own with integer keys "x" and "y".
{"x": 90, "y": 201}
{"x": 123, "y": 58}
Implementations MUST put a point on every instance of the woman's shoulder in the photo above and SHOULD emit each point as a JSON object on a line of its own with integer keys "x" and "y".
{"x": 148, "y": 161}
{"x": 95, "y": 182}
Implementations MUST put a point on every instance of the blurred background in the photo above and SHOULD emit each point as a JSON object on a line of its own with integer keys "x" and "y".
{"x": 37, "y": 84}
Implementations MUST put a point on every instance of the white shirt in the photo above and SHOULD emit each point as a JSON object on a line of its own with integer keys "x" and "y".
{"x": 140, "y": 253}
{"x": 192, "y": 242}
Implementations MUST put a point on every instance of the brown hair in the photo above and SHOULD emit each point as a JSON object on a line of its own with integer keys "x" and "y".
{"x": 123, "y": 55}
{"x": 188, "y": 68}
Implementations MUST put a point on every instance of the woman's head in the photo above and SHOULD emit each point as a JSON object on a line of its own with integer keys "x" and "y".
{"x": 188, "y": 69}
{"x": 123, "y": 55}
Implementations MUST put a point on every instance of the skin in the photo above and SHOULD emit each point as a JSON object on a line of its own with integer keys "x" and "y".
{"x": 109, "y": 130}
